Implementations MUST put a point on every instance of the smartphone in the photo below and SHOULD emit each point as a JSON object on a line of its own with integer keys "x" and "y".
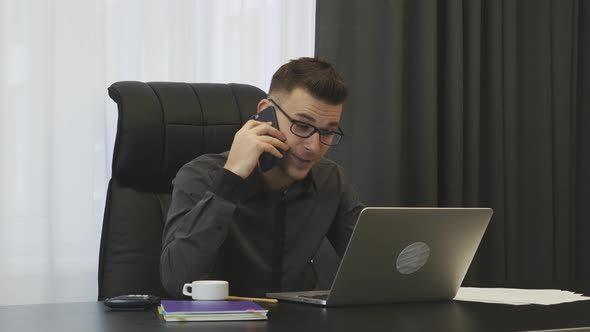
{"x": 267, "y": 160}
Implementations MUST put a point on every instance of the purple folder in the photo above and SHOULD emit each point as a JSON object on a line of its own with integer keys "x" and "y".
{"x": 209, "y": 307}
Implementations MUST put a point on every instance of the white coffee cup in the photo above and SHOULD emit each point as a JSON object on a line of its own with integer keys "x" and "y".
{"x": 207, "y": 290}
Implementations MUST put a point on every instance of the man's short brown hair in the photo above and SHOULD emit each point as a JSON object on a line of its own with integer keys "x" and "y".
{"x": 314, "y": 75}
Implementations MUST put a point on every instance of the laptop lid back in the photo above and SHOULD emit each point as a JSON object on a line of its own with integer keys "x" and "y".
{"x": 408, "y": 254}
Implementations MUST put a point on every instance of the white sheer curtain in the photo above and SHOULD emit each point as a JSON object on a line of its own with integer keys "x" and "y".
{"x": 57, "y": 124}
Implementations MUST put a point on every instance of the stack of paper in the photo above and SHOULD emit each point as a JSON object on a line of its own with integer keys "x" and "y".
{"x": 181, "y": 311}
{"x": 518, "y": 296}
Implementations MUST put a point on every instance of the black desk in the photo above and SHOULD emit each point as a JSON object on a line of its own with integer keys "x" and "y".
{"x": 437, "y": 316}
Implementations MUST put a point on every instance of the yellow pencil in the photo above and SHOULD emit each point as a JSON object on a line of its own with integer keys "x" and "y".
{"x": 255, "y": 299}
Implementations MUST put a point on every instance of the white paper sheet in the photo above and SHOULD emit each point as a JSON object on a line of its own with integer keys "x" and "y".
{"x": 517, "y": 296}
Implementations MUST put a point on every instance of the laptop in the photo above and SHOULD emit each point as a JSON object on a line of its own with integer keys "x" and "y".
{"x": 403, "y": 255}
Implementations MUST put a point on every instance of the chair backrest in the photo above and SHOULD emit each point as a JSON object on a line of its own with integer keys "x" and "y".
{"x": 161, "y": 126}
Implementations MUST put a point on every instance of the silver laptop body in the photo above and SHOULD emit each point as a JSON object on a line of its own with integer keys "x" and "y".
{"x": 403, "y": 255}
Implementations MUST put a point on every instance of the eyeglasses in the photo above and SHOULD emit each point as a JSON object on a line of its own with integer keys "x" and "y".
{"x": 305, "y": 130}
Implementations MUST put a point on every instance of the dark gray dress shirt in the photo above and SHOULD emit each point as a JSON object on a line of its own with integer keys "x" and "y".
{"x": 221, "y": 226}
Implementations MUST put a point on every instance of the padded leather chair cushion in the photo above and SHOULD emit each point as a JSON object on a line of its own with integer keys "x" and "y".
{"x": 163, "y": 125}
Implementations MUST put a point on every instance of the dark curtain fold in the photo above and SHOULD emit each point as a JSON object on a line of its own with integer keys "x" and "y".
{"x": 473, "y": 103}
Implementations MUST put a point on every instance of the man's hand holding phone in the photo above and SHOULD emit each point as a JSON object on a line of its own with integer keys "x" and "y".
{"x": 250, "y": 142}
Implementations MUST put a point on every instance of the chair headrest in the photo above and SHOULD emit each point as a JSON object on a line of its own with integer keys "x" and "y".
{"x": 163, "y": 125}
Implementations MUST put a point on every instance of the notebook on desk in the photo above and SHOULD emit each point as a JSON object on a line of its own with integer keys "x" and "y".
{"x": 403, "y": 255}
{"x": 187, "y": 311}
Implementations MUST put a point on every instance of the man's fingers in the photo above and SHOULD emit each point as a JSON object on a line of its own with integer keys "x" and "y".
{"x": 272, "y": 150}
{"x": 266, "y": 129}
{"x": 274, "y": 142}
{"x": 250, "y": 124}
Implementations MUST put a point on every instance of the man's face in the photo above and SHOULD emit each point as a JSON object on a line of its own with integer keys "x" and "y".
{"x": 304, "y": 152}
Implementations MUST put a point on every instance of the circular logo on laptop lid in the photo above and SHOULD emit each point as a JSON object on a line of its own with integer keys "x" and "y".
{"x": 412, "y": 258}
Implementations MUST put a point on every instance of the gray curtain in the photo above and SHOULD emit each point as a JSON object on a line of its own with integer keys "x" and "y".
{"x": 473, "y": 103}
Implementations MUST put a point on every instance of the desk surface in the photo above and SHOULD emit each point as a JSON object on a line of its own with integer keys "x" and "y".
{"x": 435, "y": 316}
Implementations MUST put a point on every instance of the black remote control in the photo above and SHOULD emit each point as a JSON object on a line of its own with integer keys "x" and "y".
{"x": 131, "y": 302}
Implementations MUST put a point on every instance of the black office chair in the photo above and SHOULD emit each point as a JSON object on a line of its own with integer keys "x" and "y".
{"x": 161, "y": 126}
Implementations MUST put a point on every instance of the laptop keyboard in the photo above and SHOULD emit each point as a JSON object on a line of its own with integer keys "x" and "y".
{"x": 318, "y": 296}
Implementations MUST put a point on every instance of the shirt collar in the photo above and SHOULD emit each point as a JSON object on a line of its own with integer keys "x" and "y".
{"x": 254, "y": 184}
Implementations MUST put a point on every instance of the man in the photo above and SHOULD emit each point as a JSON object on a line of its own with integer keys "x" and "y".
{"x": 261, "y": 230}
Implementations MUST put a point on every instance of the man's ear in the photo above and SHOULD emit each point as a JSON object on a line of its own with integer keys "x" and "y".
{"x": 262, "y": 104}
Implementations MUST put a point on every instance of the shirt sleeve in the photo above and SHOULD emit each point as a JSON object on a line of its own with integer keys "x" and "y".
{"x": 349, "y": 209}
{"x": 200, "y": 213}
